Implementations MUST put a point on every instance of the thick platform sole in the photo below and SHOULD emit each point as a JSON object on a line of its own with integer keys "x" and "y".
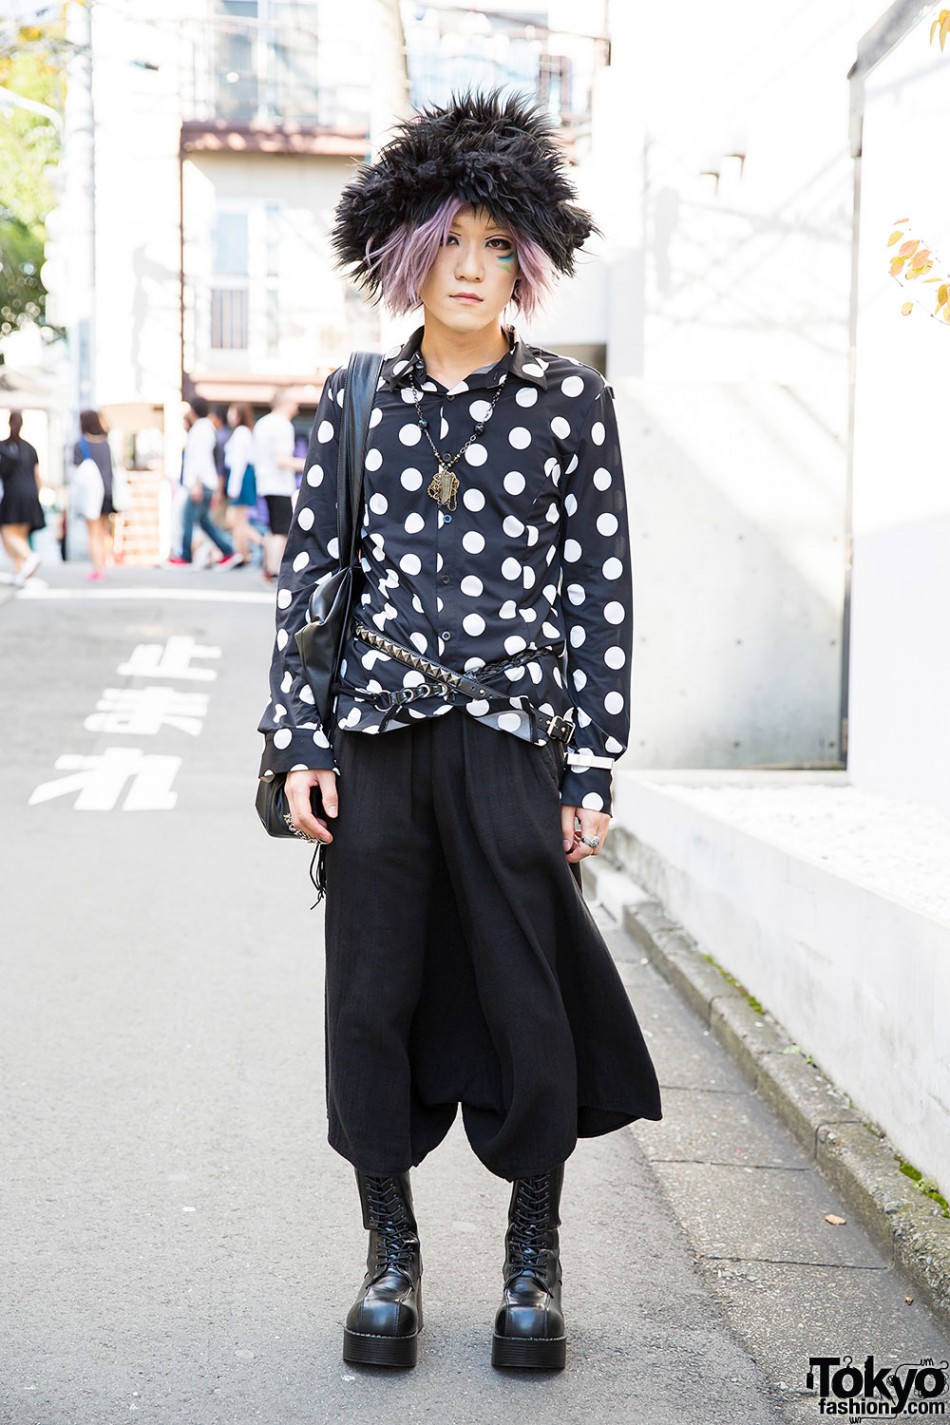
{"x": 524, "y": 1353}
{"x": 359, "y": 1350}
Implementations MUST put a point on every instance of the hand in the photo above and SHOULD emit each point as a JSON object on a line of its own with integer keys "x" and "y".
{"x": 297, "y": 786}
{"x": 197, "y": 492}
{"x": 592, "y": 824}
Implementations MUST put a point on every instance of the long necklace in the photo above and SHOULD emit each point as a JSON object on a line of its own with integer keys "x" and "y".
{"x": 444, "y": 485}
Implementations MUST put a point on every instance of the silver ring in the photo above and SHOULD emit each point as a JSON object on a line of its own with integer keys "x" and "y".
{"x": 295, "y": 830}
{"x": 592, "y": 841}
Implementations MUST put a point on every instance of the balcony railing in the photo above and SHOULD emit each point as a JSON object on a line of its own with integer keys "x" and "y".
{"x": 281, "y": 73}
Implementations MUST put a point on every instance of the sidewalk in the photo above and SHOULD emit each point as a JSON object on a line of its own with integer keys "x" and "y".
{"x": 752, "y": 1203}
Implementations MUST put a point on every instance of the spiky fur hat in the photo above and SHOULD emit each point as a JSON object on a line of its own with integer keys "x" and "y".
{"x": 492, "y": 151}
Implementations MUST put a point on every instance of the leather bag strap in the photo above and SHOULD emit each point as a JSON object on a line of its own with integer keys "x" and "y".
{"x": 362, "y": 376}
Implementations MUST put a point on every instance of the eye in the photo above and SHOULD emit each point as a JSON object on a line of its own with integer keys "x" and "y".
{"x": 502, "y": 244}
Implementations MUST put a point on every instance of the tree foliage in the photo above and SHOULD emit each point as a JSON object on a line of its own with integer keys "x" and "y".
{"x": 941, "y": 27}
{"x": 915, "y": 259}
{"x": 31, "y": 66}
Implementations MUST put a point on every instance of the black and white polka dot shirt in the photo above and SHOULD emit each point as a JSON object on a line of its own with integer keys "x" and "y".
{"x": 535, "y": 555}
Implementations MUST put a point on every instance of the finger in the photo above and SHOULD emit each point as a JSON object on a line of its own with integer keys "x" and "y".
{"x": 326, "y": 781}
{"x": 568, "y": 815}
{"x": 301, "y": 813}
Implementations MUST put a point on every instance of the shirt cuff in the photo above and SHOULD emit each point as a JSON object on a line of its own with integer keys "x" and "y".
{"x": 301, "y": 751}
{"x": 587, "y": 787}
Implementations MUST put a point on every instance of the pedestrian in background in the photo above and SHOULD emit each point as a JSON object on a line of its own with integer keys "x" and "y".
{"x": 93, "y": 489}
{"x": 242, "y": 483}
{"x": 201, "y": 480}
{"x": 483, "y": 698}
{"x": 21, "y": 512}
{"x": 275, "y": 469}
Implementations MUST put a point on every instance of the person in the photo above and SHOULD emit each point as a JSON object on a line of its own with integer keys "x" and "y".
{"x": 483, "y": 699}
{"x": 21, "y": 512}
{"x": 93, "y": 444}
{"x": 201, "y": 480}
{"x": 275, "y": 467}
{"x": 242, "y": 484}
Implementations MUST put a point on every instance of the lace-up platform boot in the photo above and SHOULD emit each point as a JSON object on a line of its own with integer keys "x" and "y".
{"x": 529, "y": 1327}
{"x": 383, "y": 1324}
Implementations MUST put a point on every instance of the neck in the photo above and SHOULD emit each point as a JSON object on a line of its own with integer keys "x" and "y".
{"x": 450, "y": 356}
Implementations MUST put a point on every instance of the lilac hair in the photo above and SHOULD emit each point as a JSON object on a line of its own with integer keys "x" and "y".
{"x": 405, "y": 259}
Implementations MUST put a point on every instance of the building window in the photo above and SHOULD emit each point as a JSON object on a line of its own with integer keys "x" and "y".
{"x": 230, "y": 254}
{"x": 229, "y": 319}
{"x": 266, "y": 61}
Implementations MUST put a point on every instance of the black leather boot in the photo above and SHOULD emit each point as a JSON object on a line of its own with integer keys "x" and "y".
{"x": 529, "y": 1326}
{"x": 383, "y": 1324}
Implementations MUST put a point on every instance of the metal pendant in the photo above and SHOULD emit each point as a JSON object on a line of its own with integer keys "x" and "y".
{"x": 443, "y": 488}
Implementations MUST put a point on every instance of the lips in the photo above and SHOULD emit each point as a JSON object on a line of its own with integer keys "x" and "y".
{"x": 466, "y": 297}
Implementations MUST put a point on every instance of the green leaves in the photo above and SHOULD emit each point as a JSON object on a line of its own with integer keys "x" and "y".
{"x": 31, "y": 66}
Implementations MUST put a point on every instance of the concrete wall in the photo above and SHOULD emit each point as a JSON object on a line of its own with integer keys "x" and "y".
{"x": 900, "y": 652}
{"x": 860, "y": 980}
{"x": 726, "y": 314}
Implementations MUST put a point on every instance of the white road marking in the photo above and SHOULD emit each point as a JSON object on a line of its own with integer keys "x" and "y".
{"x": 171, "y": 659}
{"x": 143, "y": 712}
{"x": 99, "y": 594}
{"x": 101, "y": 780}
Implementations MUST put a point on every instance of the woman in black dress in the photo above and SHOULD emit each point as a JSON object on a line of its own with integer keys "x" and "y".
{"x": 462, "y": 965}
{"x": 20, "y": 510}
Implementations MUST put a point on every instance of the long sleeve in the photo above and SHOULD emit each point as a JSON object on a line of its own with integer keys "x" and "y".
{"x": 293, "y": 737}
{"x": 597, "y": 601}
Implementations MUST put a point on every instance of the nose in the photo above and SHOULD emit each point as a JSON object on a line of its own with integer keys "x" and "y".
{"x": 469, "y": 263}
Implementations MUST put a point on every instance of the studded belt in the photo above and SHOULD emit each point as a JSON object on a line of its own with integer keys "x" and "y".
{"x": 445, "y": 682}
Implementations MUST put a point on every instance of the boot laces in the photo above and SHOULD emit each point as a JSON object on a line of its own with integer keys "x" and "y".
{"x": 395, "y": 1238}
{"x": 530, "y": 1219}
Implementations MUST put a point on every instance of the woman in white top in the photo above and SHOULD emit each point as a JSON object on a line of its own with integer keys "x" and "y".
{"x": 242, "y": 485}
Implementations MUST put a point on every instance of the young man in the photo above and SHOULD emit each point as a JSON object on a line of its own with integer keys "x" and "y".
{"x": 275, "y": 468}
{"x": 201, "y": 479}
{"x": 462, "y": 966}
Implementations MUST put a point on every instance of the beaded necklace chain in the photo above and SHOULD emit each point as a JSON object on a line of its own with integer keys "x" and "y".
{"x": 444, "y": 486}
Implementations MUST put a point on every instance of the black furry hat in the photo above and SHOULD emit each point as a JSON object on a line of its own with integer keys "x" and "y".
{"x": 492, "y": 151}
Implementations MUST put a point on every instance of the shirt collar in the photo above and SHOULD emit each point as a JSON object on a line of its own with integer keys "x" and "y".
{"x": 402, "y": 366}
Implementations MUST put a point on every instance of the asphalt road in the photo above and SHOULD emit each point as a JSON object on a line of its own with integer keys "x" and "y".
{"x": 179, "y": 1245}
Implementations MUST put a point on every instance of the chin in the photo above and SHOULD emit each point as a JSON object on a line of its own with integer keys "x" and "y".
{"x": 468, "y": 319}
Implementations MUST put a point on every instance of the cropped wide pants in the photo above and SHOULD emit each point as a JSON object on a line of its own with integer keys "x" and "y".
{"x": 462, "y": 964}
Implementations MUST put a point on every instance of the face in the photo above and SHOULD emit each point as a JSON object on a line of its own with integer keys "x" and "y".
{"x": 472, "y": 278}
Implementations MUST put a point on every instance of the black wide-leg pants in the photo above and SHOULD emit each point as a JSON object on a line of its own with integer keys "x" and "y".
{"x": 462, "y": 964}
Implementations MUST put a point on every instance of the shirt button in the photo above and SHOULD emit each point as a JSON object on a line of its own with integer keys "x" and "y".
{"x": 450, "y": 398}
{"x": 445, "y": 579}
{"x": 445, "y": 635}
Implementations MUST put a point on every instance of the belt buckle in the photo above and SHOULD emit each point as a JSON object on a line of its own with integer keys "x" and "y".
{"x": 560, "y": 728}
{"x": 388, "y": 704}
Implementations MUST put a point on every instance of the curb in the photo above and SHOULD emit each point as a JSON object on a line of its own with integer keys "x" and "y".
{"x": 906, "y": 1227}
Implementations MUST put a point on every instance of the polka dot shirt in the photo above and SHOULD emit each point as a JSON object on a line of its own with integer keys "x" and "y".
{"x": 535, "y": 555}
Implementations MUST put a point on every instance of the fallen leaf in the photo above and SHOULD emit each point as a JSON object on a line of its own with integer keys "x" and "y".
{"x": 835, "y": 1220}
{"x": 894, "y": 237}
{"x": 906, "y": 310}
{"x": 896, "y": 265}
{"x": 906, "y": 248}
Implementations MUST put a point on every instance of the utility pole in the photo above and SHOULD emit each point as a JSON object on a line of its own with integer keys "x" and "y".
{"x": 79, "y": 204}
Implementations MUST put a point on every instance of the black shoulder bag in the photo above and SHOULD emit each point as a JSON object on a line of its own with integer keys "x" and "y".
{"x": 321, "y": 640}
